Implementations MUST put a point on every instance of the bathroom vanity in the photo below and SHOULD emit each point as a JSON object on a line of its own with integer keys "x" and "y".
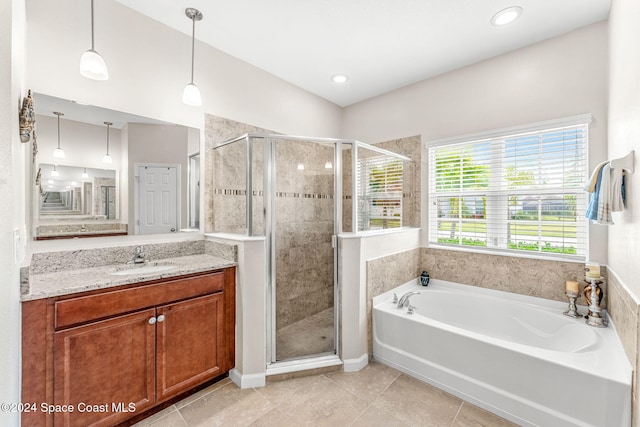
{"x": 101, "y": 356}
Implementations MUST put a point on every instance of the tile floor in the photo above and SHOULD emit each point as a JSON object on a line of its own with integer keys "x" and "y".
{"x": 375, "y": 396}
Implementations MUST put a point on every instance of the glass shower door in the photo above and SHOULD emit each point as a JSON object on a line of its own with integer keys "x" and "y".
{"x": 302, "y": 230}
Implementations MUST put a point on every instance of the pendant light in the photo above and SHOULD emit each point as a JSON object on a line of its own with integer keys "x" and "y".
{"x": 84, "y": 173}
{"x": 191, "y": 93}
{"x": 58, "y": 153}
{"x": 55, "y": 172}
{"x": 92, "y": 66}
{"x": 107, "y": 157}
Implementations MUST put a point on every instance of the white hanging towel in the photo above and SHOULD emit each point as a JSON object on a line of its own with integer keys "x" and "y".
{"x": 617, "y": 204}
{"x": 605, "y": 199}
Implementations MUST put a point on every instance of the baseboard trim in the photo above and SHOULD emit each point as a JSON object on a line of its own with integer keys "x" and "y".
{"x": 354, "y": 365}
{"x": 247, "y": 381}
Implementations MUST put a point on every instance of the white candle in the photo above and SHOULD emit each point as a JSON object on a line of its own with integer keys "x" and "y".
{"x": 592, "y": 270}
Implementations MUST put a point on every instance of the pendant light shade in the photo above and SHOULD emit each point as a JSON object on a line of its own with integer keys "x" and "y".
{"x": 191, "y": 93}
{"x": 107, "y": 157}
{"x": 92, "y": 65}
{"x": 84, "y": 173}
{"x": 58, "y": 153}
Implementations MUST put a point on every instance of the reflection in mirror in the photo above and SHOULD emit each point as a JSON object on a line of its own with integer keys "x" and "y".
{"x": 77, "y": 201}
{"x": 149, "y": 159}
{"x": 68, "y": 192}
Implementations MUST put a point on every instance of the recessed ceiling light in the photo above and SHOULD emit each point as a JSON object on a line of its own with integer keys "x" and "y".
{"x": 339, "y": 78}
{"x": 506, "y": 16}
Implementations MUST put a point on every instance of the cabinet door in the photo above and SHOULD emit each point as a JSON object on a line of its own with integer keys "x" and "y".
{"x": 102, "y": 367}
{"x": 189, "y": 339}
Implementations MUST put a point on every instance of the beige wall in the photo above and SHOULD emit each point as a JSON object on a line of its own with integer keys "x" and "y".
{"x": 13, "y": 157}
{"x": 624, "y": 136}
{"x": 149, "y": 67}
{"x": 560, "y": 77}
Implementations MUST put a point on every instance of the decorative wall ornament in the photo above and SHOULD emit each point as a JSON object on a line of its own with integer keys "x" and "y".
{"x": 27, "y": 118}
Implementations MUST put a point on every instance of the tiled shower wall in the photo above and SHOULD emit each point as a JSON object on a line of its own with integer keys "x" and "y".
{"x": 534, "y": 277}
{"x": 225, "y": 187}
{"x": 304, "y": 226}
{"x": 304, "y": 212}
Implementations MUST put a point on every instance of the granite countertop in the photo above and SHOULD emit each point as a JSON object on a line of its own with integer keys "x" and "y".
{"x": 45, "y": 285}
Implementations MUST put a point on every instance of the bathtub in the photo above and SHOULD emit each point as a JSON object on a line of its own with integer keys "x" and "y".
{"x": 516, "y": 356}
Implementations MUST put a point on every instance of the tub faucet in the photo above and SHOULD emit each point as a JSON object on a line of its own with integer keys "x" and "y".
{"x": 138, "y": 256}
{"x": 404, "y": 299}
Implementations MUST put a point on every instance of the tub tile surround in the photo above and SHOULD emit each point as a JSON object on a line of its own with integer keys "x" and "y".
{"x": 386, "y": 273}
{"x": 527, "y": 276}
{"x": 624, "y": 309}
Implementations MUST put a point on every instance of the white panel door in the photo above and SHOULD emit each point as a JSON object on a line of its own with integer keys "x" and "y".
{"x": 157, "y": 199}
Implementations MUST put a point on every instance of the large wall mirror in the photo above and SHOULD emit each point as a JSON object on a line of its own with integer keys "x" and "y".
{"x": 100, "y": 172}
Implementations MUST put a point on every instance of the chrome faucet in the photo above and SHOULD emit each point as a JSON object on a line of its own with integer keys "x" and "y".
{"x": 404, "y": 299}
{"x": 138, "y": 256}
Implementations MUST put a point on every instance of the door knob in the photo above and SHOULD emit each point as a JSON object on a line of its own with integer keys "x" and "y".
{"x": 161, "y": 318}
{"x": 152, "y": 320}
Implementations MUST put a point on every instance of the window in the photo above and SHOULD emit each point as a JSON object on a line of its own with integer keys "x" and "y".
{"x": 514, "y": 190}
{"x": 380, "y": 186}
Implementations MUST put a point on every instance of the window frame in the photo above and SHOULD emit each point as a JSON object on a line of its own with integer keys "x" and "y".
{"x": 501, "y": 216}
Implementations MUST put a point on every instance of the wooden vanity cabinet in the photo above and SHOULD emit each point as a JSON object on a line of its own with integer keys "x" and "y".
{"x": 116, "y": 353}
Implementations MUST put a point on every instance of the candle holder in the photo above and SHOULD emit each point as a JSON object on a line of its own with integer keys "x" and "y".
{"x": 572, "y": 311}
{"x": 594, "y": 318}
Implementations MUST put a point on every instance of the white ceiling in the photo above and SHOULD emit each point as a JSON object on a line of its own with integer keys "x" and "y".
{"x": 381, "y": 45}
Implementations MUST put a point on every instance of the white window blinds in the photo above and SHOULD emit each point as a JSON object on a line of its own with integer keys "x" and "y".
{"x": 521, "y": 191}
{"x": 380, "y": 188}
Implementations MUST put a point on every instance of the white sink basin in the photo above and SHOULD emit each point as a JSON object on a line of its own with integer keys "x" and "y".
{"x": 143, "y": 270}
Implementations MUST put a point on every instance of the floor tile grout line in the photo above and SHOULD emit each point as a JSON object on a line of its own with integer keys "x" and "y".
{"x": 218, "y": 387}
{"x": 455, "y": 417}
{"x": 360, "y": 414}
{"x": 182, "y": 417}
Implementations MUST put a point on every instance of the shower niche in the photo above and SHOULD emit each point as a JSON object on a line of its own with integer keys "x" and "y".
{"x": 300, "y": 193}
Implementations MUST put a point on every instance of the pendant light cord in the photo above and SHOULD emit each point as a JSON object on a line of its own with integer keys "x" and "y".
{"x": 107, "y": 137}
{"x": 58, "y": 131}
{"x": 193, "y": 44}
{"x": 92, "y": 38}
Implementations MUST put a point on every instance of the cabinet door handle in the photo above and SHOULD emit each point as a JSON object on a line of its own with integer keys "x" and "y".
{"x": 161, "y": 318}
{"x": 152, "y": 320}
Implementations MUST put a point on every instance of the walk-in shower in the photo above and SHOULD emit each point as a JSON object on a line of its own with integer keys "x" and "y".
{"x": 298, "y": 192}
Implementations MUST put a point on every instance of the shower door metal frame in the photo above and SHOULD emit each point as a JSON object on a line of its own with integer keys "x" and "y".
{"x": 269, "y": 224}
{"x": 269, "y": 171}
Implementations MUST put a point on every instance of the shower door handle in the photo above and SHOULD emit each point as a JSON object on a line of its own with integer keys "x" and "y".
{"x": 334, "y": 241}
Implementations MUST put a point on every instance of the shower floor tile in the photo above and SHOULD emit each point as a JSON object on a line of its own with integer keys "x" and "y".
{"x": 312, "y": 335}
{"x": 375, "y": 396}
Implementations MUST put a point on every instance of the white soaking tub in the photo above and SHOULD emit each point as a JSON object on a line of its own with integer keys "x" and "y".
{"x": 516, "y": 356}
